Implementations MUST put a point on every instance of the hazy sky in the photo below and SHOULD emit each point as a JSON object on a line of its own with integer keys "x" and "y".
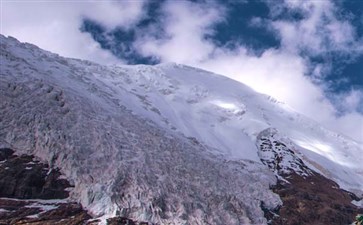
{"x": 308, "y": 54}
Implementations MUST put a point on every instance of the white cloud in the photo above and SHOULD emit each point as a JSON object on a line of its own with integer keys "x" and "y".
{"x": 350, "y": 101}
{"x": 55, "y": 25}
{"x": 115, "y": 13}
{"x": 186, "y": 24}
{"x": 353, "y": 100}
{"x": 275, "y": 72}
{"x": 320, "y": 30}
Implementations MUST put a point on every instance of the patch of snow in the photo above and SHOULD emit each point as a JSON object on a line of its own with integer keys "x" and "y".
{"x": 40, "y": 201}
{"x": 4, "y": 210}
{"x": 35, "y": 216}
{"x": 44, "y": 207}
{"x": 358, "y": 203}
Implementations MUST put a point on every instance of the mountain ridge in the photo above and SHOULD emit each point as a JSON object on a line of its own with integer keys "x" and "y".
{"x": 115, "y": 130}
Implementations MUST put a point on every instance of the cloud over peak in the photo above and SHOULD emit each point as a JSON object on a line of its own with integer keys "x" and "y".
{"x": 319, "y": 31}
{"x": 186, "y": 26}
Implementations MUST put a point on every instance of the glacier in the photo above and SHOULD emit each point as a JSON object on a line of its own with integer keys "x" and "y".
{"x": 166, "y": 143}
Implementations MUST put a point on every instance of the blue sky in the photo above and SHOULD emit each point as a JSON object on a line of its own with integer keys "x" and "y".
{"x": 306, "y": 53}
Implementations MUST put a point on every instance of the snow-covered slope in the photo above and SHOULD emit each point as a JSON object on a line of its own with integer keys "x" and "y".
{"x": 164, "y": 143}
{"x": 225, "y": 115}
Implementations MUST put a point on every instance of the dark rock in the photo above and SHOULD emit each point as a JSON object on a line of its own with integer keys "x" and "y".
{"x": 24, "y": 178}
{"x": 125, "y": 221}
{"x": 317, "y": 202}
{"x": 34, "y": 213}
{"x": 120, "y": 221}
{"x": 5, "y": 153}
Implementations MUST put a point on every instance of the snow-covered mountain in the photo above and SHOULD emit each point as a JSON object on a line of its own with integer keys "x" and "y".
{"x": 169, "y": 144}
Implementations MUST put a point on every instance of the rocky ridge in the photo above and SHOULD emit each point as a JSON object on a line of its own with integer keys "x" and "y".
{"x": 33, "y": 193}
{"x": 307, "y": 197}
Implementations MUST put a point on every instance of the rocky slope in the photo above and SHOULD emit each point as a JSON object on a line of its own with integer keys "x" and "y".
{"x": 23, "y": 178}
{"x": 307, "y": 197}
{"x": 33, "y": 193}
{"x": 165, "y": 143}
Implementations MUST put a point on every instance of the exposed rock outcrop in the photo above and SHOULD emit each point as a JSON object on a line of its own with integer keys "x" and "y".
{"x": 308, "y": 197}
{"x": 33, "y": 193}
{"x": 314, "y": 200}
{"x": 23, "y": 177}
{"x": 35, "y": 212}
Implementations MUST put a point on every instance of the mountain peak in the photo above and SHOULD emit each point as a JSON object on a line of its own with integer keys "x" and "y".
{"x": 167, "y": 143}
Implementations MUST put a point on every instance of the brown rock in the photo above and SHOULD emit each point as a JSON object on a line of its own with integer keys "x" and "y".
{"x": 314, "y": 200}
{"x": 22, "y": 177}
{"x": 25, "y": 178}
{"x": 120, "y": 221}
